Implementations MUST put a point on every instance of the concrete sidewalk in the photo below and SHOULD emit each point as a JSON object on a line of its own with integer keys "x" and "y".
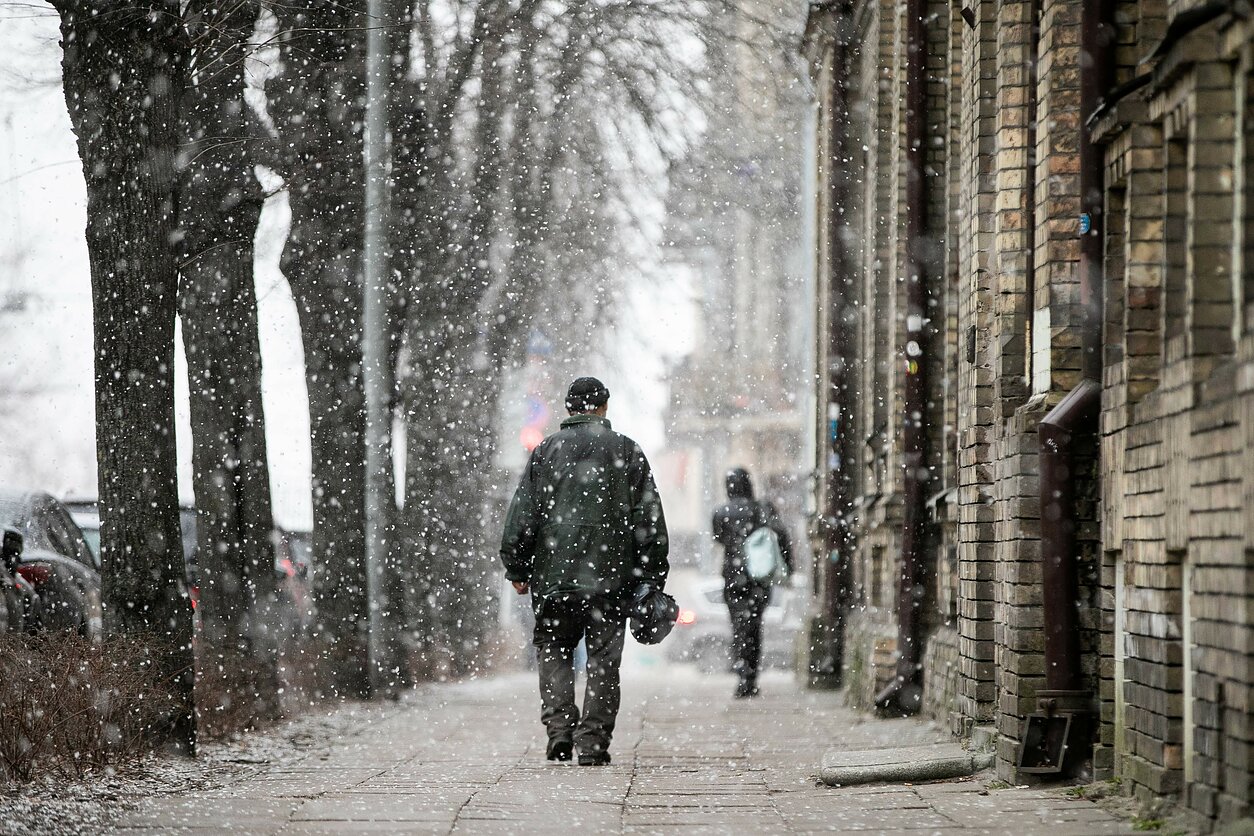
{"x": 469, "y": 758}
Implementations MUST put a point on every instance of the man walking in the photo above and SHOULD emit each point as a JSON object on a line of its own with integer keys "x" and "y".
{"x": 584, "y": 532}
{"x": 746, "y": 598}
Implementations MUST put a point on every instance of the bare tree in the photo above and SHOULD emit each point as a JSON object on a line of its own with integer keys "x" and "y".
{"x": 220, "y": 205}
{"x": 124, "y": 68}
{"x": 532, "y": 108}
{"x": 317, "y": 106}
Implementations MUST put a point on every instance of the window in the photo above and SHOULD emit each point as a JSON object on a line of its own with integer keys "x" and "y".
{"x": 63, "y": 535}
{"x": 1245, "y": 202}
{"x": 877, "y": 576}
{"x": 1175, "y": 239}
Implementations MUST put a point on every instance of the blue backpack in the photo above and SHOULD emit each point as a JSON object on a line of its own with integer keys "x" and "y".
{"x": 764, "y": 560}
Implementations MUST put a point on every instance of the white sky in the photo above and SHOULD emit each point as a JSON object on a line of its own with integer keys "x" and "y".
{"x": 47, "y": 440}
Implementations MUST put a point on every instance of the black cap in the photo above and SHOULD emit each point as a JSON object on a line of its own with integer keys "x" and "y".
{"x": 586, "y": 394}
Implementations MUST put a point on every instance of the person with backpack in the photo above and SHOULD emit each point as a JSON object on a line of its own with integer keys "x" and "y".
{"x": 586, "y": 536}
{"x": 757, "y": 554}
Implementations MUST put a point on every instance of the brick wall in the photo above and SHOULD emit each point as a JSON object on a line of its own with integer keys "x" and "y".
{"x": 976, "y": 689}
{"x": 1165, "y": 493}
{"x": 940, "y": 673}
{"x": 1176, "y": 432}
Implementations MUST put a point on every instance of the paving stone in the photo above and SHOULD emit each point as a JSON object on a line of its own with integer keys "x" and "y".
{"x": 686, "y": 759}
{"x": 364, "y": 828}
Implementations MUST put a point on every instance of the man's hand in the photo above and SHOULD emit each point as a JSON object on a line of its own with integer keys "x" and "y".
{"x": 521, "y": 588}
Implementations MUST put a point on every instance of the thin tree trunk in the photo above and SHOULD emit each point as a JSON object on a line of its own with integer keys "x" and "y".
{"x": 447, "y": 427}
{"x": 408, "y": 139}
{"x": 331, "y": 334}
{"x": 450, "y": 444}
{"x": 124, "y": 70}
{"x": 317, "y": 106}
{"x": 220, "y": 207}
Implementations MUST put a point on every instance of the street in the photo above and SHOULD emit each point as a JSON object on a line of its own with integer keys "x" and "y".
{"x": 469, "y": 758}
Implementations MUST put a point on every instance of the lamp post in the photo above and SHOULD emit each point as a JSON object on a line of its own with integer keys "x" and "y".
{"x": 376, "y": 365}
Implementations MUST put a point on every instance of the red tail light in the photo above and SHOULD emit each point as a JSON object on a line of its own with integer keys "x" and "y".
{"x": 193, "y": 592}
{"x": 687, "y": 617}
{"x": 34, "y": 573}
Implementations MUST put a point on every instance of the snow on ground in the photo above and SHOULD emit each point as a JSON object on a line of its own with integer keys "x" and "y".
{"x": 55, "y": 806}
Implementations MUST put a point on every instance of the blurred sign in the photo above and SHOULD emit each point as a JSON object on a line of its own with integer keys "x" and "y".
{"x": 537, "y": 419}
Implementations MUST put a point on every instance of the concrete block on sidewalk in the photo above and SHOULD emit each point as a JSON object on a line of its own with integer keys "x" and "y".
{"x": 842, "y": 767}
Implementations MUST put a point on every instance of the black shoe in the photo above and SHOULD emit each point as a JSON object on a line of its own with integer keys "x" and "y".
{"x": 559, "y": 750}
{"x": 594, "y": 758}
{"x": 746, "y": 689}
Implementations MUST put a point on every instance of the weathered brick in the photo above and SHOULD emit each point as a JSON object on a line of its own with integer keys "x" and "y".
{"x": 1167, "y": 495}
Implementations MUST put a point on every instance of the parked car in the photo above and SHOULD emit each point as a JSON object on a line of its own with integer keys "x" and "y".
{"x": 86, "y": 513}
{"x": 22, "y": 611}
{"x": 55, "y": 560}
{"x": 291, "y": 561}
{"x": 702, "y": 634}
{"x": 291, "y": 568}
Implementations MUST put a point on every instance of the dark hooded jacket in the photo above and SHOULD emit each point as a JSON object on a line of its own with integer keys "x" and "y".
{"x": 737, "y": 519}
{"x": 586, "y": 517}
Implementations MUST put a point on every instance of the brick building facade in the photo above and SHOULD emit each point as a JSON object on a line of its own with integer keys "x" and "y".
{"x": 1035, "y": 422}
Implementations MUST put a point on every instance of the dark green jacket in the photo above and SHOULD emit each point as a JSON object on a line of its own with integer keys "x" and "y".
{"x": 586, "y": 517}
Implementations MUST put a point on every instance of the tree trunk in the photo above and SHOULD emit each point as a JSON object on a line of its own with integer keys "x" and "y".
{"x": 318, "y": 111}
{"x": 124, "y": 70}
{"x": 220, "y": 207}
{"x": 331, "y": 334}
{"x": 407, "y": 127}
{"x": 450, "y": 442}
{"x": 452, "y": 389}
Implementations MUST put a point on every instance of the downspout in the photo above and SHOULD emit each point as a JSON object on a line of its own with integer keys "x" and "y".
{"x": 905, "y": 692}
{"x": 1058, "y": 737}
{"x": 1029, "y": 182}
{"x": 1096, "y": 36}
{"x": 839, "y": 414}
{"x": 1077, "y": 413}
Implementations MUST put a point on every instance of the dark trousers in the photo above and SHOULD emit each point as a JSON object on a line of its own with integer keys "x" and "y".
{"x": 560, "y": 625}
{"x": 745, "y": 605}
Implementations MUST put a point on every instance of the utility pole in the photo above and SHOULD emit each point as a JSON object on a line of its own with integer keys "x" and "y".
{"x": 376, "y": 365}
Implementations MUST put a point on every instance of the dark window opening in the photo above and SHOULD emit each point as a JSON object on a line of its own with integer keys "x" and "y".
{"x": 1175, "y": 237}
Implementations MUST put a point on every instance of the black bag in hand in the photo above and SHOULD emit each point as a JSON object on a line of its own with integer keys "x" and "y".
{"x": 653, "y": 615}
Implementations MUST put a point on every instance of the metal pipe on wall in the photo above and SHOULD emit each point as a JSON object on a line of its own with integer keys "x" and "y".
{"x": 1076, "y": 413}
{"x": 839, "y": 346}
{"x": 1029, "y": 182}
{"x": 1058, "y": 737}
{"x": 1096, "y": 77}
{"x": 905, "y": 692}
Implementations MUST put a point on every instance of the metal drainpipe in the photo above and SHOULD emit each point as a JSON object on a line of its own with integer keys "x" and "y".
{"x": 905, "y": 692}
{"x": 1058, "y": 737}
{"x": 1095, "y": 79}
{"x": 1076, "y": 413}
{"x": 838, "y": 492}
{"x": 1029, "y": 181}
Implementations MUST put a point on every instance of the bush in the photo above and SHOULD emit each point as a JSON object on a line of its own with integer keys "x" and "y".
{"x": 70, "y": 705}
{"x": 231, "y": 695}
{"x": 234, "y": 694}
